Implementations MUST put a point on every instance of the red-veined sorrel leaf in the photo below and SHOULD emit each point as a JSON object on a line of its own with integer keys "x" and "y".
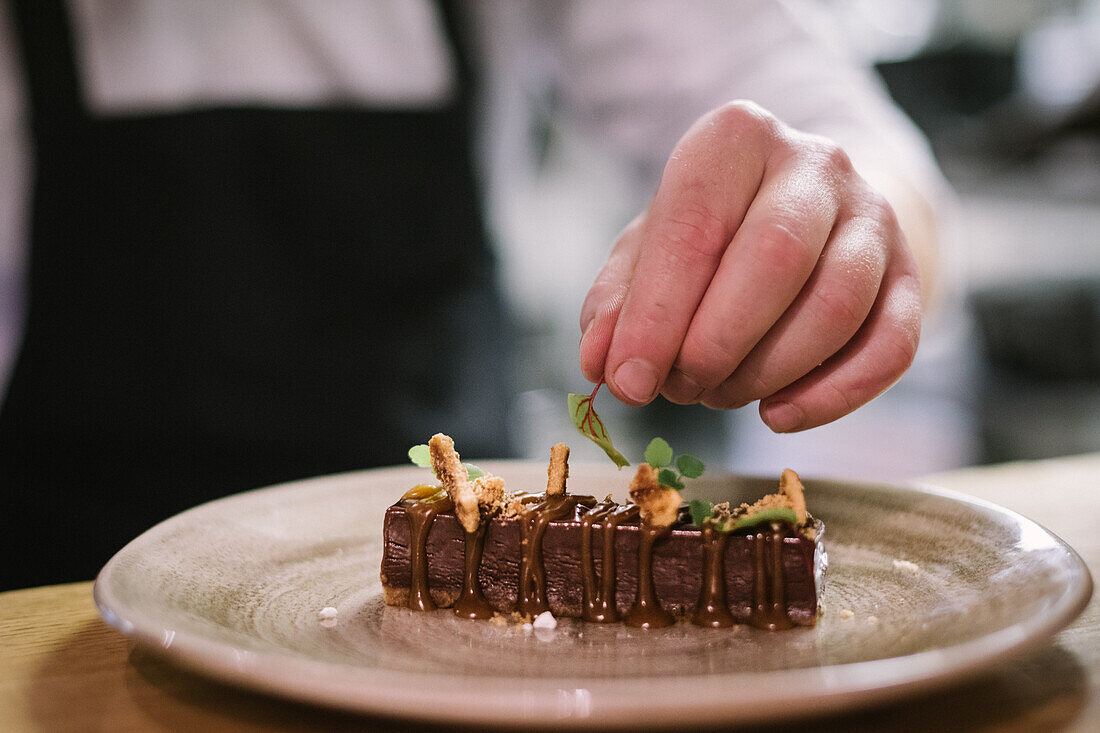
{"x": 591, "y": 426}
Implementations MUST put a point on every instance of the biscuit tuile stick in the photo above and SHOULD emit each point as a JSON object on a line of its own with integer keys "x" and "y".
{"x": 558, "y": 470}
{"x": 456, "y": 482}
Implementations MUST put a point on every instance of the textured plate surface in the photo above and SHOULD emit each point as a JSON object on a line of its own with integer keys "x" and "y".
{"x": 924, "y": 587}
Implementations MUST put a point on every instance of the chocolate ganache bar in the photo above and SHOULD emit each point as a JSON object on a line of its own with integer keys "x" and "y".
{"x": 474, "y": 547}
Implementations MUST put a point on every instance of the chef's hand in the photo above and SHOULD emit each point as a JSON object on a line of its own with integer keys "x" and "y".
{"x": 764, "y": 269}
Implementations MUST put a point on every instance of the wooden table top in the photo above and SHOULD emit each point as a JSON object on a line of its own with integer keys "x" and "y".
{"x": 62, "y": 668}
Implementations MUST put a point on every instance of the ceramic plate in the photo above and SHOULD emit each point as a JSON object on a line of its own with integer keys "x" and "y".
{"x": 924, "y": 587}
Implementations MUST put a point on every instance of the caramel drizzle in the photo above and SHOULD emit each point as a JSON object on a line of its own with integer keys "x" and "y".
{"x": 421, "y": 515}
{"x": 598, "y": 602}
{"x": 471, "y": 603}
{"x": 646, "y": 612}
{"x": 532, "y": 600}
{"x": 769, "y": 604}
{"x": 712, "y": 610}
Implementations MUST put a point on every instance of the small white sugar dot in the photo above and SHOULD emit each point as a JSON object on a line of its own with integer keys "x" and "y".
{"x": 328, "y": 613}
{"x": 545, "y": 620}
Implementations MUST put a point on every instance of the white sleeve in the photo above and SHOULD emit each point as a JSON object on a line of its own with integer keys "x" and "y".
{"x": 638, "y": 73}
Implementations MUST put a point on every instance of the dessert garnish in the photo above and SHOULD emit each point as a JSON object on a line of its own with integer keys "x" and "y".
{"x": 659, "y": 455}
{"x": 787, "y": 505}
{"x": 590, "y": 425}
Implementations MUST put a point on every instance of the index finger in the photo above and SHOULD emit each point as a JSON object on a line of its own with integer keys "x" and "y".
{"x": 688, "y": 227}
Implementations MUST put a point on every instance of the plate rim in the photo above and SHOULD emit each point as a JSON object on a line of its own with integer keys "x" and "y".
{"x": 790, "y": 693}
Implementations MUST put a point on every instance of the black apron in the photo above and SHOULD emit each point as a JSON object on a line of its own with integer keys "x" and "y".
{"x": 226, "y": 298}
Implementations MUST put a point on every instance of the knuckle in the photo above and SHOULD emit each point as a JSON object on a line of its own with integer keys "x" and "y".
{"x": 840, "y": 307}
{"x": 843, "y": 402}
{"x": 692, "y": 233}
{"x": 738, "y": 389}
{"x": 741, "y": 117}
{"x": 824, "y": 160}
{"x": 707, "y": 360}
{"x": 833, "y": 157}
{"x": 880, "y": 214}
{"x": 874, "y": 232}
{"x": 781, "y": 248}
{"x": 873, "y": 227}
{"x": 717, "y": 401}
{"x": 681, "y": 389}
{"x": 647, "y": 323}
{"x": 759, "y": 386}
{"x": 900, "y": 347}
{"x": 726, "y": 396}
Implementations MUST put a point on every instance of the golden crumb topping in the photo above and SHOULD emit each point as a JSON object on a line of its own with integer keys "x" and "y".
{"x": 658, "y": 505}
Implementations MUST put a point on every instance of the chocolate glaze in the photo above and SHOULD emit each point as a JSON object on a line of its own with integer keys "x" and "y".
{"x": 472, "y": 604}
{"x": 421, "y": 516}
{"x": 599, "y": 600}
{"x": 532, "y": 568}
{"x": 767, "y": 576}
{"x": 646, "y": 613}
{"x": 769, "y": 605}
{"x": 712, "y": 609}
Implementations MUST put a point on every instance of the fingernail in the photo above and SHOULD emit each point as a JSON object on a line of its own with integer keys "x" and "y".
{"x": 782, "y": 417}
{"x": 636, "y": 379}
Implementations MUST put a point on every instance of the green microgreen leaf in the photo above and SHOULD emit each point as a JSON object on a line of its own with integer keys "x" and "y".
{"x": 658, "y": 453}
{"x": 701, "y": 511}
{"x": 421, "y": 455}
{"x": 473, "y": 471}
{"x": 689, "y": 466}
{"x": 591, "y": 426}
{"x": 774, "y": 514}
{"x": 667, "y": 477}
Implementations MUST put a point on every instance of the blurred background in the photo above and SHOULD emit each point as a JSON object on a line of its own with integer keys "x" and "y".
{"x": 1008, "y": 93}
